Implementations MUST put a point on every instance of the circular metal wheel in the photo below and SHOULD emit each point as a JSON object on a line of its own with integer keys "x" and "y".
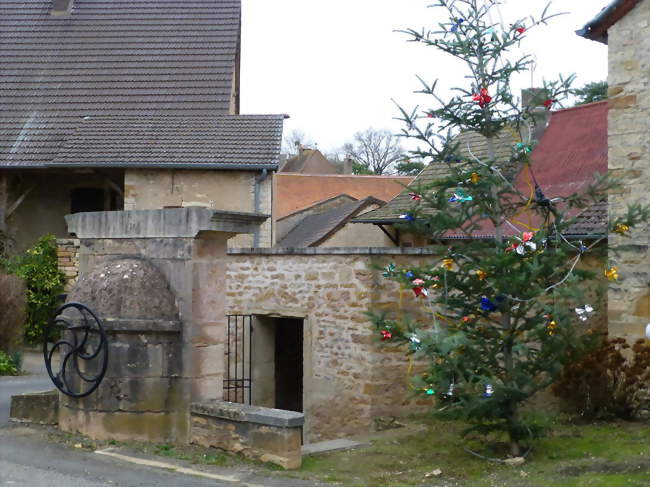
{"x": 79, "y": 340}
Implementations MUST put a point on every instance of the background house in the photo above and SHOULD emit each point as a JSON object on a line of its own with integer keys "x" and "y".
{"x": 299, "y": 195}
{"x": 571, "y": 151}
{"x": 111, "y": 105}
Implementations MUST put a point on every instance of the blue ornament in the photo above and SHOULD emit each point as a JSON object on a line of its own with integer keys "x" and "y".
{"x": 410, "y": 275}
{"x": 408, "y": 217}
{"x": 489, "y": 391}
{"x": 487, "y": 305}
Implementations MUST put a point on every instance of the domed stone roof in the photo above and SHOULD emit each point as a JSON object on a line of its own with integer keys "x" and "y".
{"x": 126, "y": 288}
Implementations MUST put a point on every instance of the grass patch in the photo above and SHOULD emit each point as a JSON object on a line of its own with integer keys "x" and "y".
{"x": 605, "y": 454}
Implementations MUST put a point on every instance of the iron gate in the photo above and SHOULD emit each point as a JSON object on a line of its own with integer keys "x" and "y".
{"x": 239, "y": 359}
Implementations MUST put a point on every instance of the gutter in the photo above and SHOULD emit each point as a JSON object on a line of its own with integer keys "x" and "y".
{"x": 596, "y": 29}
{"x": 258, "y": 181}
{"x": 159, "y": 165}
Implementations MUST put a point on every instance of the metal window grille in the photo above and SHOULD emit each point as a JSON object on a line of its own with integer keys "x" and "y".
{"x": 238, "y": 383}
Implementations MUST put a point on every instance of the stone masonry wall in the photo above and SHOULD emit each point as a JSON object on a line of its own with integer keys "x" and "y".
{"x": 349, "y": 379}
{"x": 68, "y": 258}
{"x": 629, "y": 159}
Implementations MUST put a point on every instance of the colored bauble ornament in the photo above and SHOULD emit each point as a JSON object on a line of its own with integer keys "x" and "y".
{"x": 475, "y": 178}
{"x": 520, "y": 29}
{"x": 416, "y": 343}
{"x": 415, "y": 196}
{"x": 419, "y": 291}
{"x": 430, "y": 391}
{"x": 584, "y": 313}
{"x": 621, "y": 228}
{"x": 460, "y": 197}
{"x": 549, "y": 103}
{"x": 409, "y": 275}
{"x": 525, "y": 148}
{"x": 386, "y": 335}
{"x": 447, "y": 264}
{"x": 550, "y": 328}
{"x": 408, "y": 217}
{"x": 482, "y": 98}
{"x": 525, "y": 244}
{"x": 454, "y": 28}
{"x": 612, "y": 273}
{"x": 389, "y": 271}
{"x": 487, "y": 305}
{"x": 489, "y": 391}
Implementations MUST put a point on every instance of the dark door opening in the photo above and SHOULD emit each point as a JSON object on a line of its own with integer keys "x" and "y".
{"x": 288, "y": 364}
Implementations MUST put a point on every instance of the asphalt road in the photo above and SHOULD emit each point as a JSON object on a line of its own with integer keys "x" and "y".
{"x": 27, "y": 458}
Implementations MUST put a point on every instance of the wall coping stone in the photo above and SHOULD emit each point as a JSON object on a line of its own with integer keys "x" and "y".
{"x": 334, "y": 251}
{"x": 165, "y": 223}
{"x": 252, "y": 414}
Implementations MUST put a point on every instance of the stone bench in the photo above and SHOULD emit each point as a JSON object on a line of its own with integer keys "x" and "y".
{"x": 268, "y": 435}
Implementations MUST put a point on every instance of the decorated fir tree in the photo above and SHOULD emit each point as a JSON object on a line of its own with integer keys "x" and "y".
{"x": 502, "y": 312}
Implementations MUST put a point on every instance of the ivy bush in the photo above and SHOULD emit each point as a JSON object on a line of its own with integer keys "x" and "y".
{"x": 7, "y": 364}
{"x": 38, "y": 267}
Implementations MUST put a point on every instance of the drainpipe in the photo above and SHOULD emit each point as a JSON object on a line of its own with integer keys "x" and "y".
{"x": 258, "y": 181}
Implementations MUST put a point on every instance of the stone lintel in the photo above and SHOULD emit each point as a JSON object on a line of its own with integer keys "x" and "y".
{"x": 250, "y": 414}
{"x": 164, "y": 223}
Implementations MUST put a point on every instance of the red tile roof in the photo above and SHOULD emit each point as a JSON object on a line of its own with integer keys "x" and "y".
{"x": 293, "y": 192}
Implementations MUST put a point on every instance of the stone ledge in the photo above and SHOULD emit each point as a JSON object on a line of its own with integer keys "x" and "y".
{"x": 165, "y": 223}
{"x": 139, "y": 326}
{"x": 250, "y": 414}
{"x": 333, "y": 251}
{"x": 36, "y": 407}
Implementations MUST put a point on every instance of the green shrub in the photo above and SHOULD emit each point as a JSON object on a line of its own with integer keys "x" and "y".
{"x": 610, "y": 382}
{"x": 38, "y": 266}
{"x": 7, "y": 365}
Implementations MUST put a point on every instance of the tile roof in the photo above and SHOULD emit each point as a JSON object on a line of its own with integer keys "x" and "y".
{"x": 469, "y": 142}
{"x": 123, "y": 58}
{"x": 315, "y": 229}
{"x": 571, "y": 152}
{"x": 229, "y": 141}
{"x": 309, "y": 161}
{"x": 597, "y": 28}
{"x": 293, "y": 192}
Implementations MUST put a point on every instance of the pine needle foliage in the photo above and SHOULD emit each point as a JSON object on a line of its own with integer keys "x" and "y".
{"x": 505, "y": 300}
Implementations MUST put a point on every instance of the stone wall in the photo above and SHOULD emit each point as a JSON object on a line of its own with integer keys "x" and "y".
{"x": 268, "y": 435}
{"x": 148, "y": 189}
{"x": 629, "y": 159}
{"x": 349, "y": 379}
{"x": 68, "y": 259}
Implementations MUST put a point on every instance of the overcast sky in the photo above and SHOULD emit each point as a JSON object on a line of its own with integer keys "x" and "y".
{"x": 334, "y": 65}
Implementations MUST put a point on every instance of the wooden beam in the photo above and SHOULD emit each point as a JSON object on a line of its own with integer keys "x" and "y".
{"x": 18, "y": 202}
{"x": 388, "y": 234}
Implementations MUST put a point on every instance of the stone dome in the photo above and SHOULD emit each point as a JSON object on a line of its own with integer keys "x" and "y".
{"x": 126, "y": 288}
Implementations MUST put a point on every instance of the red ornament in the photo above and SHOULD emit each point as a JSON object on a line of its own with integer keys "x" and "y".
{"x": 483, "y": 98}
{"x": 420, "y": 291}
{"x": 386, "y": 335}
{"x": 415, "y": 196}
{"x": 521, "y": 30}
{"x": 527, "y": 237}
{"x": 548, "y": 103}
{"x": 429, "y": 115}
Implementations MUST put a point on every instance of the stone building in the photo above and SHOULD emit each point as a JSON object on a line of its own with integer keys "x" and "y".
{"x": 624, "y": 26}
{"x": 113, "y": 105}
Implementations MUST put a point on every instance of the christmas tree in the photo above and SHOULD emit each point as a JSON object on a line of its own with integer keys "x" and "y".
{"x": 502, "y": 311}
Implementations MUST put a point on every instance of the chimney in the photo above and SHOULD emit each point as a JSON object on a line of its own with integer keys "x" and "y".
{"x": 62, "y": 7}
{"x": 347, "y": 165}
{"x": 540, "y": 116}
